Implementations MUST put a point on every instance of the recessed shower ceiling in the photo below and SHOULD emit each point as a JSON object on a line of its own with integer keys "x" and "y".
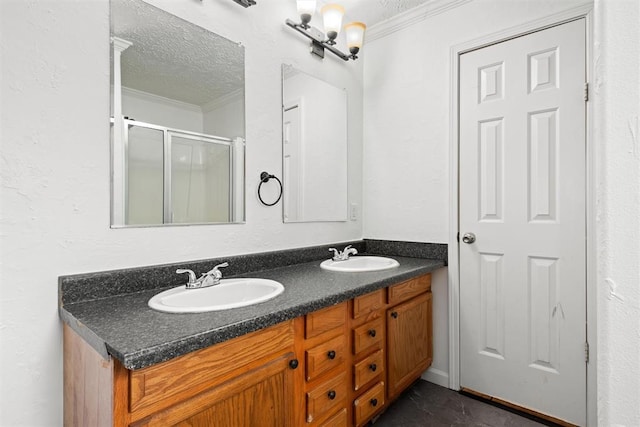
{"x": 173, "y": 58}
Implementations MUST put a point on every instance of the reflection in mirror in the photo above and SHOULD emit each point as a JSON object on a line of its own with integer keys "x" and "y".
{"x": 314, "y": 149}
{"x": 177, "y": 120}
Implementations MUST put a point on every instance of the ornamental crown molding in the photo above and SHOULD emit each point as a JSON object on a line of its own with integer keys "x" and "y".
{"x": 413, "y": 16}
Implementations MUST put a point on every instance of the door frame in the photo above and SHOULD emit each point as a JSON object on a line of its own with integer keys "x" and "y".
{"x": 583, "y": 11}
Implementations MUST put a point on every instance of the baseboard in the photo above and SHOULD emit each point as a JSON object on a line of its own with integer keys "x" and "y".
{"x": 436, "y": 376}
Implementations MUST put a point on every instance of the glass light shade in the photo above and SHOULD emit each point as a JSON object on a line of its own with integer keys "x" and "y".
{"x": 306, "y": 7}
{"x": 332, "y": 17}
{"x": 355, "y": 34}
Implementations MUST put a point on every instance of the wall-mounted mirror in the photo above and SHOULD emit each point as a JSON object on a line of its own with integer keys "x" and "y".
{"x": 314, "y": 148}
{"x": 178, "y": 120}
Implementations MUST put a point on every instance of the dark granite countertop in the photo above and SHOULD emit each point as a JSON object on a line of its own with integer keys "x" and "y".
{"x": 124, "y": 327}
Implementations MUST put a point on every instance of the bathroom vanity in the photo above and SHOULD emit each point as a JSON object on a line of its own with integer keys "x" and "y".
{"x": 334, "y": 349}
{"x": 338, "y": 366}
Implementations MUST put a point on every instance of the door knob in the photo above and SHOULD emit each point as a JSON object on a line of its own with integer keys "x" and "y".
{"x": 468, "y": 238}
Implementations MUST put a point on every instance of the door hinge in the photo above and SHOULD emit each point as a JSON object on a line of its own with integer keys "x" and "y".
{"x": 458, "y": 237}
{"x": 586, "y": 91}
{"x": 586, "y": 352}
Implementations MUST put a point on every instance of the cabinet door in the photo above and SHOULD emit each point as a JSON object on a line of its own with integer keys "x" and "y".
{"x": 261, "y": 397}
{"x": 410, "y": 342}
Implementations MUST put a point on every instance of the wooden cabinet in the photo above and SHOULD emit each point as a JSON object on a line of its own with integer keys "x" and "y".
{"x": 259, "y": 397}
{"x": 409, "y": 335}
{"x": 245, "y": 381}
{"x": 339, "y": 366}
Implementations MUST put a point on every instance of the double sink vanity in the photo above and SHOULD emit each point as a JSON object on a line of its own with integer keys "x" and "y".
{"x": 286, "y": 338}
{"x": 333, "y": 348}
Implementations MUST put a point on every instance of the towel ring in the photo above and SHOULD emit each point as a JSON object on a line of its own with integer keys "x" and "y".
{"x": 265, "y": 177}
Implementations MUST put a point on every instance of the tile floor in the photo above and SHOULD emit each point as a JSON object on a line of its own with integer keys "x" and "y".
{"x": 425, "y": 404}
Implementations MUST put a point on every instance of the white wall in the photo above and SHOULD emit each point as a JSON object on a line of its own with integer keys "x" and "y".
{"x": 55, "y": 172}
{"x": 160, "y": 111}
{"x": 225, "y": 118}
{"x": 406, "y": 159}
{"x": 616, "y": 88}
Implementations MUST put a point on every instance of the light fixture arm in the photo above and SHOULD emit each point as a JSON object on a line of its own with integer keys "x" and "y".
{"x": 318, "y": 43}
{"x": 245, "y": 3}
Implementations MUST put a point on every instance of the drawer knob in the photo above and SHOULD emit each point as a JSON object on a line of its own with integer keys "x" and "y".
{"x": 373, "y": 367}
{"x": 394, "y": 314}
{"x": 331, "y": 354}
{"x": 331, "y": 395}
{"x": 372, "y": 333}
{"x": 293, "y": 364}
{"x": 374, "y": 402}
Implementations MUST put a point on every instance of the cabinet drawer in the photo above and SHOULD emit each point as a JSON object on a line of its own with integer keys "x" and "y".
{"x": 338, "y": 420}
{"x": 368, "y": 335}
{"x": 367, "y": 404}
{"x": 368, "y": 303}
{"x": 409, "y": 289}
{"x": 367, "y": 369}
{"x": 327, "y": 397}
{"x": 178, "y": 379}
{"x": 325, "y": 356}
{"x": 324, "y": 320}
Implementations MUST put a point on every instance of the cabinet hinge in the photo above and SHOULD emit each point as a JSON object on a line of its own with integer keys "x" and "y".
{"x": 586, "y": 352}
{"x": 586, "y": 91}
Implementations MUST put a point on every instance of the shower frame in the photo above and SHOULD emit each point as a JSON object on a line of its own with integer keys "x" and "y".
{"x": 167, "y": 134}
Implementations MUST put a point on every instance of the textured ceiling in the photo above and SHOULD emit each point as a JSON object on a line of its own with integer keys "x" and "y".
{"x": 173, "y": 58}
{"x": 372, "y": 12}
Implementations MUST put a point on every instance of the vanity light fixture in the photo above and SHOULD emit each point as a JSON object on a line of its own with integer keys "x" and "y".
{"x": 332, "y": 18}
{"x": 245, "y": 3}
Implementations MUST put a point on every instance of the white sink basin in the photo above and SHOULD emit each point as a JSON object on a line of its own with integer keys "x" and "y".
{"x": 230, "y": 293}
{"x": 360, "y": 264}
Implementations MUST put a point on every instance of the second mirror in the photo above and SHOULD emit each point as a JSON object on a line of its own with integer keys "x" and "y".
{"x": 314, "y": 148}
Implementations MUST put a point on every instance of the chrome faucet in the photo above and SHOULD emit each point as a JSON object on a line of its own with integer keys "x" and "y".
{"x": 210, "y": 278}
{"x": 344, "y": 255}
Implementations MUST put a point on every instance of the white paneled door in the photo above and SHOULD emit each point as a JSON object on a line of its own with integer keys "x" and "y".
{"x": 522, "y": 197}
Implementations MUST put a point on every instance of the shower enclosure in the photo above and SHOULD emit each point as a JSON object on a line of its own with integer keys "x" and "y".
{"x": 172, "y": 176}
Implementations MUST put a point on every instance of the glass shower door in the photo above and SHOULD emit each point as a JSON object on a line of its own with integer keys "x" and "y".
{"x": 144, "y": 190}
{"x": 200, "y": 179}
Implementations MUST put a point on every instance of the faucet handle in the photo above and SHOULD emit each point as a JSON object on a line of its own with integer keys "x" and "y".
{"x": 350, "y": 250}
{"x": 215, "y": 270}
{"x": 192, "y": 275}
